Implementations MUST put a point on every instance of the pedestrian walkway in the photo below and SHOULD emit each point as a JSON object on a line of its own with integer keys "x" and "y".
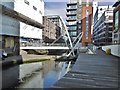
{"x": 92, "y": 71}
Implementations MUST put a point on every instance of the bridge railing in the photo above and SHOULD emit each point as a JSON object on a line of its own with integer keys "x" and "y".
{"x": 25, "y": 44}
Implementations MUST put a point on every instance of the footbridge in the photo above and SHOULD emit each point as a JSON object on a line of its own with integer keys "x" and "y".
{"x": 46, "y": 47}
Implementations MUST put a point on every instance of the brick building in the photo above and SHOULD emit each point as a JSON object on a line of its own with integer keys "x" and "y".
{"x": 79, "y": 19}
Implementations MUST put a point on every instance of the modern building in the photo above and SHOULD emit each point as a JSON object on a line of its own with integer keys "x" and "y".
{"x": 102, "y": 29}
{"x": 99, "y": 11}
{"x": 9, "y": 47}
{"x": 9, "y": 31}
{"x": 35, "y": 11}
{"x": 9, "y": 42}
{"x": 79, "y": 19}
{"x": 116, "y": 23}
{"x": 49, "y": 30}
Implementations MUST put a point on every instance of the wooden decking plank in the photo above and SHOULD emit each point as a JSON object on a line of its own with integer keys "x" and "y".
{"x": 94, "y": 77}
{"x": 92, "y": 71}
{"x": 79, "y": 83}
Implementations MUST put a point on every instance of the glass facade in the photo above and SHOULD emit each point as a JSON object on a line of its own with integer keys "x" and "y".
{"x": 73, "y": 33}
{"x": 72, "y": 17}
{"x": 72, "y": 28}
{"x": 116, "y": 21}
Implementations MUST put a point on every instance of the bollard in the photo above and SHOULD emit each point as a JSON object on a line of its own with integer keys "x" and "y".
{"x": 108, "y": 51}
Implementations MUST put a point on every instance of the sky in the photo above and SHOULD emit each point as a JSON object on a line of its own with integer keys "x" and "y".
{"x": 58, "y": 7}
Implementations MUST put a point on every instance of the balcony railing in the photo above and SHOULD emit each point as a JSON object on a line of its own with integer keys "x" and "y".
{"x": 70, "y": 9}
{"x": 69, "y": 14}
{"x": 70, "y": 3}
{"x": 71, "y": 19}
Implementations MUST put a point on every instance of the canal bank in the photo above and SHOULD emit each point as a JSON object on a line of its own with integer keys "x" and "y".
{"x": 30, "y": 58}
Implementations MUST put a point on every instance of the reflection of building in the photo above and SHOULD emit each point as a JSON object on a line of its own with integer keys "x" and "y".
{"x": 102, "y": 29}
{"x": 51, "y": 30}
{"x": 79, "y": 18}
{"x": 33, "y": 10}
{"x": 116, "y": 23}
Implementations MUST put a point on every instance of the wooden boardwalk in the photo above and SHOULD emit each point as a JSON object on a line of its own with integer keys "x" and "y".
{"x": 92, "y": 71}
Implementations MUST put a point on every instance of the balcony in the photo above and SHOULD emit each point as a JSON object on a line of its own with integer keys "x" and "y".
{"x": 71, "y": 25}
{"x": 71, "y": 19}
{"x": 71, "y": 14}
{"x": 71, "y": 8}
{"x": 70, "y": 4}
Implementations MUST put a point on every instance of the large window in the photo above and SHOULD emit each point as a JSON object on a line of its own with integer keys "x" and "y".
{"x": 116, "y": 21}
{"x": 72, "y": 28}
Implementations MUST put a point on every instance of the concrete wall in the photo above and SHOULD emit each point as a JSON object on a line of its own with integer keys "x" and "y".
{"x": 28, "y": 31}
{"x": 115, "y": 49}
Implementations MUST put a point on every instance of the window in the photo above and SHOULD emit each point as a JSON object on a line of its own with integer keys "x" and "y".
{"x": 25, "y": 1}
{"x": 74, "y": 6}
{"x": 40, "y": 12}
{"x": 72, "y": 17}
{"x": 34, "y": 8}
{"x": 73, "y": 33}
{"x": 72, "y": 28}
{"x": 116, "y": 21}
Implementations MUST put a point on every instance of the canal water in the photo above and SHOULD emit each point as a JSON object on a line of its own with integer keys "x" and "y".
{"x": 45, "y": 74}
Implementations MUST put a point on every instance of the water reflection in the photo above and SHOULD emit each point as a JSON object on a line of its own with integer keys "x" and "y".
{"x": 50, "y": 73}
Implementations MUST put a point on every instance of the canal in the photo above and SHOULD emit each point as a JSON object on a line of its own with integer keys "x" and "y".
{"x": 44, "y": 75}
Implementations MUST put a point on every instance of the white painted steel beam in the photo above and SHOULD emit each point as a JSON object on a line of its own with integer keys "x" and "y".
{"x": 45, "y": 47}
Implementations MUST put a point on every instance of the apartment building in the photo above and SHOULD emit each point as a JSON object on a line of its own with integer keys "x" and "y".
{"x": 49, "y": 32}
{"x": 33, "y": 10}
{"x": 116, "y": 23}
{"x": 55, "y": 19}
{"x": 79, "y": 19}
{"x": 102, "y": 29}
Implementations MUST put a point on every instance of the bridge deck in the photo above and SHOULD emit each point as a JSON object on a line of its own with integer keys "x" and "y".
{"x": 92, "y": 71}
{"x": 45, "y": 47}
